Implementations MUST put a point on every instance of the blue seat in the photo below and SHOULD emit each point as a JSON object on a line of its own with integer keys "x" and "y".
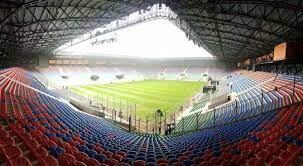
{"x": 100, "y": 157}
{"x": 56, "y": 151}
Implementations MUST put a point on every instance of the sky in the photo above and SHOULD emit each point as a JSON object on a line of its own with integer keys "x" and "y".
{"x": 154, "y": 39}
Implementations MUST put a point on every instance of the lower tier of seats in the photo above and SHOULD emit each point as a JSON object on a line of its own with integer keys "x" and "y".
{"x": 37, "y": 129}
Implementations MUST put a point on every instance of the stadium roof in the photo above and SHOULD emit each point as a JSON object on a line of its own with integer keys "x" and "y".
{"x": 228, "y": 29}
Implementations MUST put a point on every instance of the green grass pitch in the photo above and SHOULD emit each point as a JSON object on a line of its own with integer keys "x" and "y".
{"x": 148, "y": 95}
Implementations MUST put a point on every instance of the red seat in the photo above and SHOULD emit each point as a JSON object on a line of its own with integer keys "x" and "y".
{"x": 285, "y": 156}
{"x": 25, "y": 136}
{"x": 74, "y": 143}
{"x": 40, "y": 152}
{"x": 124, "y": 164}
{"x": 226, "y": 163}
{"x": 66, "y": 159}
{"x": 81, "y": 156}
{"x": 41, "y": 138}
{"x": 99, "y": 149}
{"x": 79, "y": 163}
{"x": 72, "y": 150}
{"x": 254, "y": 162}
{"x": 293, "y": 149}
{"x": 123, "y": 154}
{"x": 3, "y": 114}
{"x": 111, "y": 161}
{"x": 206, "y": 157}
{"x": 32, "y": 143}
{"x": 215, "y": 161}
{"x": 6, "y": 141}
{"x": 262, "y": 155}
{"x": 186, "y": 153}
{"x": 37, "y": 134}
{"x": 108, "y": 154}
{"x": 48, "y": 161}
{"x": 3, "y": 133}
{"x": 197, "y": 160}
{"x": 276, "y": 162}
{"x": 182, "y": 158}
{"x": 20, "y": 161}
{"x": 50, "y": 143}
{"x": 273, "y": 149}
{"x": 91, "y": 162}
{"x": 139, "y": 163}
{"x": 117, "y": 157}
{"x": 12, "y": 152}
{"x": 161, "y": 160}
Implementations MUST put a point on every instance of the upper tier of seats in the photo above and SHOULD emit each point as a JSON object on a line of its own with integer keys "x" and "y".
{"x": 38, "y": 128}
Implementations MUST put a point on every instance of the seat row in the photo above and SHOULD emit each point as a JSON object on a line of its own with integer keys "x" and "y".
{"x": 37, "y": 128}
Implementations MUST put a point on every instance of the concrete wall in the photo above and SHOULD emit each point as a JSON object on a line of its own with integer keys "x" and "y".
{"x": 43, "y": 61}
{"x": 88, "y": 110}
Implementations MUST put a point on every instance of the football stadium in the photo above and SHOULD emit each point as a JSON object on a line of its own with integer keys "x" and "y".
{"x": 151, "y": 83}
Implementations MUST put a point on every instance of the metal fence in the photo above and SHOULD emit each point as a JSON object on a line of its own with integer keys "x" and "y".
{"x": 125, "y": 113}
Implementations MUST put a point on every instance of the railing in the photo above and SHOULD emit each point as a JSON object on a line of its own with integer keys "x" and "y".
{"x": 239, "y": 110}
{"x": 125, "y": 113}
{"x": 62, "y": 91}
{"x": 120, "y": 111}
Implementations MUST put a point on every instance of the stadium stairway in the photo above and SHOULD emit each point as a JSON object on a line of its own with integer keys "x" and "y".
{"x": 39, "y": 129}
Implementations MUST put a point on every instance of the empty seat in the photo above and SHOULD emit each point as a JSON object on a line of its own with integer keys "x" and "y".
{"x": 11, "y": 152}
{"x": 20, "y": 161}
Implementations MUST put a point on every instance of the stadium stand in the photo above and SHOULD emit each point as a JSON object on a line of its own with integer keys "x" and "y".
{"x": 81, "y": 75}
{"x": 107, "y": 74}
{"x": 37, "y": 127}
{"x": 253, "y": 116}
{"x": 173, "y": 72}
{"x": 255, "y": 93}
{"x": 201, "y": 103}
